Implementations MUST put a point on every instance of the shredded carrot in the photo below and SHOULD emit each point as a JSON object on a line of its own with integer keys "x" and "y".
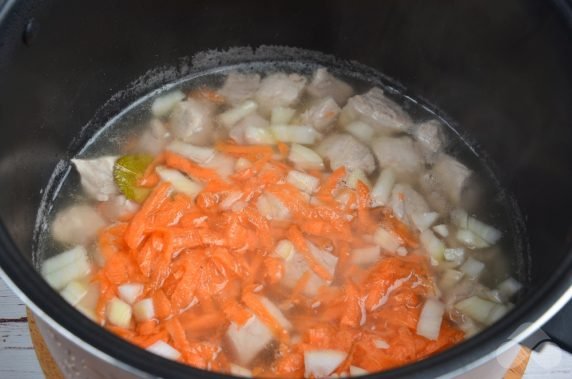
{"x": 208, "y": 261}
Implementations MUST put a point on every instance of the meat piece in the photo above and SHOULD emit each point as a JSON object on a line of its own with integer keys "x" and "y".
{"x": 325, "y": 84}
{"x": 452, "y": 175}
{"x": 433, "y": 193}
{"x": 322, "y": 115}
{"x": 378, "y": 111}
{"x": 239, "y": 87}
{"x": 279, "y": 90}
{"x": 430, "y": 135}
{"x": 344, "y": 150}
{"x": 77, "y": 225}
{"x": 118, "y": 207}
{"x": 249, "y": 339}
{"x": 406, "y": 202}
{"x": 192, "y": 121}
{"x": 253, "y": 120}
{"x": 400, "y": 154}
{"x": 155, "y": 138}
{"x": 97, "y": 177}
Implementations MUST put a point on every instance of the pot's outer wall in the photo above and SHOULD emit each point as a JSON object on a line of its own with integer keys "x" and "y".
{"x": 501, "y": 70}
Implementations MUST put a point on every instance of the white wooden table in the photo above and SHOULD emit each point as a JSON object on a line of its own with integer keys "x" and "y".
{"x": 18, "y": 359}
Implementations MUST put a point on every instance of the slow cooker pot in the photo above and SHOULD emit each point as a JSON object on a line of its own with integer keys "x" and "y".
{"x": 500, "y": 71}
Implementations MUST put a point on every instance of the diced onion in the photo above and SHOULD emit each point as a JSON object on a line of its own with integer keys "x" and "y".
{"x": 305, "y": 158}
{"x": 357, "y": 371}
{"x": 242, "y": 164}
{"x": 165, "y": 350}
{"x": 164, "y": 104}
{"x": 355, "y": 176}
{"x": 281, "y": 115}
{"x": 429, "y": 323}
{"x": 321, "y": 363}
{"x": 472, "y": 268}
{"x": 484, "y": 231}
{"x": 366, "y": 255}
{"x": 360, "y": 130}
{"x": 497, "y": 313}
{"x": 74, "y": 292}
{"x": 256, "y": 135}
{"x": 230, "y": 199}
{"x": 509, "y": 287}
{"x": 272, "y": 208}
{"x": 197, "y": 154}
{"x": 70, "y": 265}
{"x": 424, "y": 220}
{"x": 302, "y": 181}
{"x": 441, "y": 230}
{"x": 237, "y": 370}
{"x": 301, "y": 134}
{"x": 144, "y": 310}
{"x": 470, "y": 239}
{"x": 180, "y": 182}
{"x": 434, "y": 246}
{"x": 450, "y": 278}
{"x": 383, "y": 186}
{"x": 275, "y": 312}
{"x": 456, "y": 255}
{"x": 476, "y": 308}
{"x": 129, "y": 292}
{"x": 285, "y": 249}
{"x": 386, "y": 240}
{"x": 488, "y": 234}
{"x": 234, "y": 115}
{"x": 460, "y": 218}
{"x": 380, "y": 344}
{"x": 118, "y": 313}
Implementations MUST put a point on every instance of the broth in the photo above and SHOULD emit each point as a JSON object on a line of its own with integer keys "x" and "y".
{"x": 301, "y": 222}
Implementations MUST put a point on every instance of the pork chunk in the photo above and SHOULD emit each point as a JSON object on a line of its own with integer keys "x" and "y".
{"x": 253, "y": 120}
{"x": 155, "y": 138}
{"x": 279, "y": 90}
{"x": 430, "y": 138}
{"x": 239, "y": 87}
{"x": 344, "y": 150}
{"x": 97, "y": 177}
{"x": 325, "y": 84}
{"x": 452, "y": 175}
{"x": 400, "y": 154}
{"x": 77, "y": 225}
{"x": 192, "y": 121}
{"x": 322, "y": 115}
{"x": 375, "y": 109}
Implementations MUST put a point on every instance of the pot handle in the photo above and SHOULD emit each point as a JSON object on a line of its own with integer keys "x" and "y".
{"x": 559, "y": 328}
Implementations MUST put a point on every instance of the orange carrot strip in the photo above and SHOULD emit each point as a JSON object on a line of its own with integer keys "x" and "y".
{"x": 193, "y": 170}
{"x": 300, "y": 286}
{"x": 203, "y": 322}
{"x": 231, "y": 148}
{"x": 326, "y": 189}
{"x": 162, "y": 305}
{"x": 236, "y": 312}
{"x": 137, "y": 226}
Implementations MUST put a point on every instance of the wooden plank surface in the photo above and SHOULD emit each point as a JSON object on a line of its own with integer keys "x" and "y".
{"x": 18, "y": 359}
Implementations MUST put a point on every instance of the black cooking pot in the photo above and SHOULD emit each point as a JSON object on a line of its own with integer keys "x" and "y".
{"x": 500, "y": 70}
